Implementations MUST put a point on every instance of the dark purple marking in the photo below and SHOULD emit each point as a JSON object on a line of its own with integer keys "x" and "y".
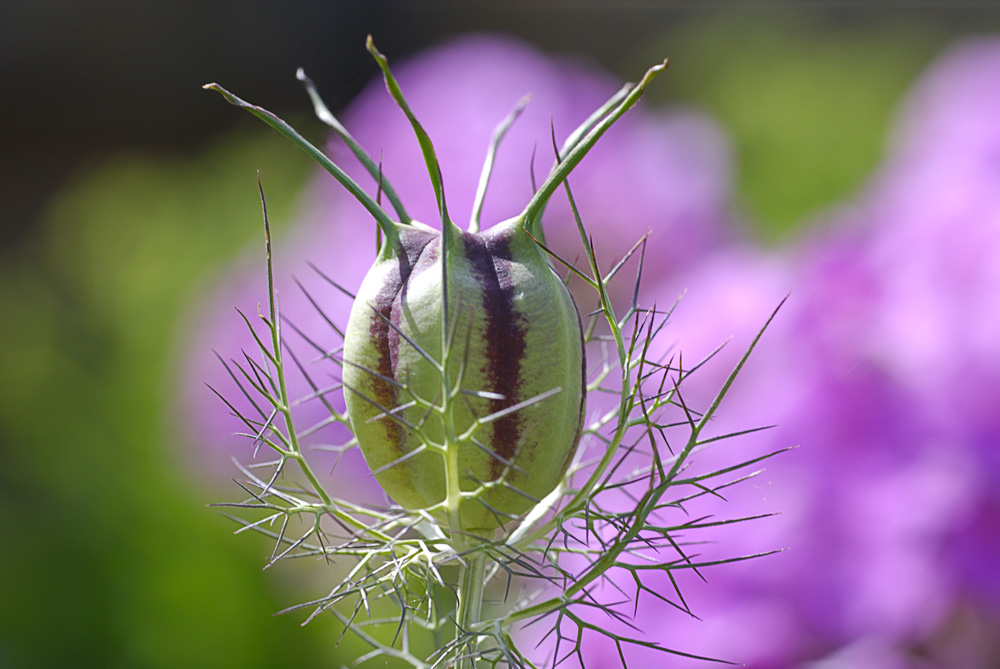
{"x": 385, "y": 338}
{"x": 504, "y": 339}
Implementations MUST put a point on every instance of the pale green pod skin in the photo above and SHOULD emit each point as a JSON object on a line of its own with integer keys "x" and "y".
{"x": 515, "y": 336}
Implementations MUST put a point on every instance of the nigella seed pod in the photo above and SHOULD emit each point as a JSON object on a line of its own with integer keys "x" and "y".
{"x": 479, "y": 419}
{"x": 463, "y": 363}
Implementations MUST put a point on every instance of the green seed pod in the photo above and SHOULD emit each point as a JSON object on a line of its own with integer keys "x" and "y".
{"x": 481, "y": 398}
{"x": 463, "y": 356}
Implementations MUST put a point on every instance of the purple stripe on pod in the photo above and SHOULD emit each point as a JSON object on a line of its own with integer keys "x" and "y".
{"x": 384, "y": 306}
{"x": 504, "y": 341}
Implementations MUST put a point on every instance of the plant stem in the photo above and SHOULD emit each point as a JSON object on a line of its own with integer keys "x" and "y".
{"x": 472, "y": 577}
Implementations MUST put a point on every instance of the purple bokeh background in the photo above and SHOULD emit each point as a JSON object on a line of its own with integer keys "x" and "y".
{"x": 883, "y": 366}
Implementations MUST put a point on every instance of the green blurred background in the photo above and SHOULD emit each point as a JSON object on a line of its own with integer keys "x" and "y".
{"x": 126, "y": 189}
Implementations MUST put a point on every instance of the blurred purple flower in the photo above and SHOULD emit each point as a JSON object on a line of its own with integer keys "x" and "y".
{"x": 885, "y": 367}
{"x": 939, "y": 244}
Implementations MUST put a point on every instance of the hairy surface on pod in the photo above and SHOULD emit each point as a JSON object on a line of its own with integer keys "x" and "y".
{"x": 516, "y": 335}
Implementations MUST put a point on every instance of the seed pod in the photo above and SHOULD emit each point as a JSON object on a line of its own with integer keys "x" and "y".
{"x": 492, "y": 405}
{"x": 463, "y": 355}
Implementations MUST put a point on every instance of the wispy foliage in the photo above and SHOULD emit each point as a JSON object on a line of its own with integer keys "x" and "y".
{"x": 415, "y": 588}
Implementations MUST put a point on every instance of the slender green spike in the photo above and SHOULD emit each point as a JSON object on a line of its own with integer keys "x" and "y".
{"x": 434, "y": 171}
{"x": 324, "y": 114}
{"x": 484, "y": 179}
{"x": 426, "y": 147}
{"x": 593, "y": 119}
{"x": 583, "y": 146}
{"x": 535, "y": 225}
{"x": 378, "y": 198}
{"x": 267, "y": 245}
{"x": 707, "y": 416}
{"x": 385, "y": 223}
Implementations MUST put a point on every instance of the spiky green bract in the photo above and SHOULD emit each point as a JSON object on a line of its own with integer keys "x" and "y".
{"x": 426, "y": 394}
{"x": 496, "y": 437}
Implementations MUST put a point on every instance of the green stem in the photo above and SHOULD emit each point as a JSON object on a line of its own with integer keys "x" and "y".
{"x": 472, "y": 584}
{"x": 273, "y": 323}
